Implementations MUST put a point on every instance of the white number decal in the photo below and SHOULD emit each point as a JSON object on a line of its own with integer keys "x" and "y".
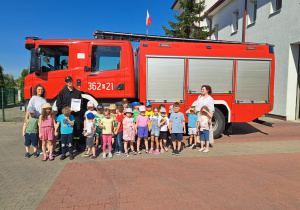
{"x": 100, "y": 86}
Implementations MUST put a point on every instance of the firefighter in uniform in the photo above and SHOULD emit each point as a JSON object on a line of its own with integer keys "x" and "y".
{"x": 63, "y": 100}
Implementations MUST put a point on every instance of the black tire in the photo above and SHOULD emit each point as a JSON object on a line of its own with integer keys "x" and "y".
{"x": 218, "y": 123}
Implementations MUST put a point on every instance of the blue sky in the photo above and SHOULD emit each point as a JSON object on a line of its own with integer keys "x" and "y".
{"x": 68, "y": 19}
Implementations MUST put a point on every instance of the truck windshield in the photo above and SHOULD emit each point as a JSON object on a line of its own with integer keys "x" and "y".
{"x": 106, "y": 58}
{"x": 54, "y": 57}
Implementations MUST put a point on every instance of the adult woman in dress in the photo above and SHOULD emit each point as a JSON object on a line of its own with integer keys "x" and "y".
{"x": 206, "y": 100}
{"x": 37, "y": 101}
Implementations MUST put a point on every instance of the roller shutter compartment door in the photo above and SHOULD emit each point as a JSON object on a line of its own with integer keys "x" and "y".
{"x": 252, "y": 81}
{"x": 217, "y": 73}
{"x": 165, "y": 79}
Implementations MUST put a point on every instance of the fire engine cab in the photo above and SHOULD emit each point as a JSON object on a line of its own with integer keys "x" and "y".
{"x": 162, "y": 70}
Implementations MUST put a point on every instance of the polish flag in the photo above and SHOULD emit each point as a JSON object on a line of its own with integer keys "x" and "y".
{"x": 148, "y": 19}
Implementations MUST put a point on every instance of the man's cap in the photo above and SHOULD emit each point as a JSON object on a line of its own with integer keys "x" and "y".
{"x": 134, "y": 104}
{"x": 31, "y": 110}
{"x": 162, "y": 110}
{"x": 54, "y": 108}
{"x": 90, "y": 104}
{"x": 90, "y": 116}
{"x": 148, "y": 104}
{"x": 142, "y": 108}
{"x": 68, "y": 78}
{"x": 124, "y": 100}
{"x": 100, "y": 106}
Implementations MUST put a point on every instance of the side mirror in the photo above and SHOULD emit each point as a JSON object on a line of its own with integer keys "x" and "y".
{"x": 38, "y": 51}
{"x": 35, "y": 64}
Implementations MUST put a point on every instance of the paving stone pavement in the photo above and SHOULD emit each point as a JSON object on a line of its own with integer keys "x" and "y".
{"x": 254, "y": 150}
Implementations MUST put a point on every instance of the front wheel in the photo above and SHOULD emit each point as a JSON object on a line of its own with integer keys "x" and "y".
{"x": 218, "y": 123}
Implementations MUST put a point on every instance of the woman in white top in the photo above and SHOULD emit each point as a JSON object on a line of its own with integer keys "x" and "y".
{"x": 37, "y": 101}
{"x": 206, "y": 100}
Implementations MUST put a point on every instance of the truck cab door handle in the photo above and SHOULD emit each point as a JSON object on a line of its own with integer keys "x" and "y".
{"x": 94, "y": 74}
{"x": 120, "y": 86}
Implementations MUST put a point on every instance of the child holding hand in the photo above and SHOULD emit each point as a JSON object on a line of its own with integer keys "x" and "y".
{"x": 66, "y": 119}
{"x": 157, "y": 122}
{"x": 89, "y": 134}
{"x": 107, "y": 123}
{"x": 46, "y": 128}
{"x": 203, "y": 126}
{"x": 192, "y": 126}
{"x": 141, "y": 128}
{"x": 128, "y": 131}
{"x": 30, "y": 132}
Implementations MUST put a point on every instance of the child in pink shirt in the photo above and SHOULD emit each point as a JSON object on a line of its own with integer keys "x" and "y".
{"x": 141, "y": 128}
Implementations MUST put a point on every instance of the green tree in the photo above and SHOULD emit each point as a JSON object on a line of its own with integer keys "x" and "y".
{"x": 22, "y": 84}
{"x": 1, "y": 76}
{"x": 186, "y": 26}
{"x": 9, "y": 81}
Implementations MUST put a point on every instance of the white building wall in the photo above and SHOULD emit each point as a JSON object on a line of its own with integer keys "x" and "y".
{"x": 282, "y": 29}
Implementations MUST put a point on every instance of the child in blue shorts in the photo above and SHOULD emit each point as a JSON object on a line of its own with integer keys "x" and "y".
{"x": 141, "y": 128}
{"x": 192, "y": 126}
{"x": 157, "y": 121}
{"x": 30, "y": 132}
{"x": 176, "y": 128}
{"x": 203, "y": 126}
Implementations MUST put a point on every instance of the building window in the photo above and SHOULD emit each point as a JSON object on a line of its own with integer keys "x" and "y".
{"x": 216, "y": 31}
{"x": 276, "y": 5}
{"x": 252, "y": 11}
{"x": 235, "y": 21}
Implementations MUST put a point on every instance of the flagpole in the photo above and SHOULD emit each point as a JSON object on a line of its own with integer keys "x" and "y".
{"x": 146, "y": 32}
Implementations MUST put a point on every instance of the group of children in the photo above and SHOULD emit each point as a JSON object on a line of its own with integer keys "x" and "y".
{"x": 46, "y": 128}
{"x": 117, "y": 129}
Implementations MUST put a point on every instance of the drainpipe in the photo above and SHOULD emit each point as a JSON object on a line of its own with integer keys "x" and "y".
{"x": 244, "y": 28}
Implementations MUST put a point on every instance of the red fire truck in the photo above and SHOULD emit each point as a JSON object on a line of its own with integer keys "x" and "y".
{"x": 162, "y": 70}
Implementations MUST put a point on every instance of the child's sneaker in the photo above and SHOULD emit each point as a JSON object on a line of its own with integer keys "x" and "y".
{"x": 139, "y": 152}
{"x": 85, "y": 155}
{"x": 156, "y": 152}
{"x": 133, "y": 152}
{"x": 117, "y": 153}
{"x": 104, "y": 155}
{"x": 93, "y": 157}
{"x": 71, "y": 157}
{"x": 110, "y": 155}
{"x": 201, "y": 150}
{"x": 194, "y": 147}
{"x": 174, "y": 152}
{"x": 206, "y": 150}
{"x": 44, "y": 157}
{"x": 51, "y": 157}
{"x": 27, "y": 155}
{"x": 146, "y": 151}
{"x": 126, "y": 154}
{"x": 177, "y": 152}
{"x": 151, "y": 150}
{"x": 62, "y": 157}
{"x": 188, "y": 146}
{"x": 162, "y": 150}
{"x": 166, "y": 149}
{"x": 35, "y": 154}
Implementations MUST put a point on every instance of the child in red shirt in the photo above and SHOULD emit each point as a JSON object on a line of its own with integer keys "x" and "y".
{"x": 119, "y": 131}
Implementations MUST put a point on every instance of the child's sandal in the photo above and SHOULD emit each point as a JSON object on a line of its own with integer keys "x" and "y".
{"x": 51, "y": 157}
{"x": 44, "y": 157}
